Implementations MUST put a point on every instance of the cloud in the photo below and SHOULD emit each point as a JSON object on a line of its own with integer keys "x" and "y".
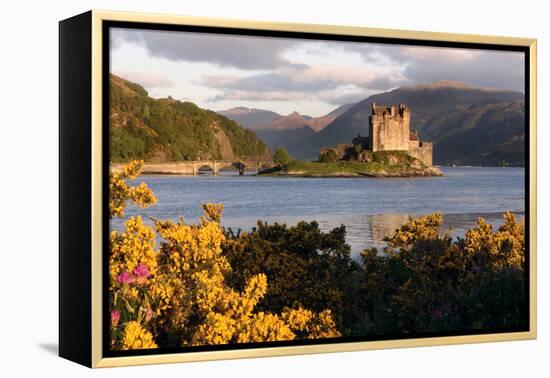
{"x": 268, "y": 82}
{"x": 441, "y": 55}
{"x": 400, "y": 54}
{"x": 240, "y": 95}
{"x": 365, "y": 77}
{"x": 338, "y": 96}
{"x": 344, "y": 97}
{"x": 310, "y": 79}
{"x": 224, "y": 50}
{"x": 148, "y": 79}
{"x": 481, "y": 68}
{"x": 488, "y": 69}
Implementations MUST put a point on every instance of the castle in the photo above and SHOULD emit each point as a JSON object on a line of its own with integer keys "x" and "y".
{"x": 389, "y": 130}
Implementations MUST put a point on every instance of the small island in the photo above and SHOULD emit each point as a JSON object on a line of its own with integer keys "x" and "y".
{"x": 391, "y": 150}
{"x": 387, "y": 164}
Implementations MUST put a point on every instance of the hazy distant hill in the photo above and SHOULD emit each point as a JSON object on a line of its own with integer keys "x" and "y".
{"x": 431, "y": 104}
{"x": 281, "y": 131}
{"x": 249, "y": 117}
{"x": 284, "y": 138}
{"x": 167, "y": 130}
{"x": 257, "y": 119}
{"x": 292, "y": 121}
{"x": 319, "y": 123}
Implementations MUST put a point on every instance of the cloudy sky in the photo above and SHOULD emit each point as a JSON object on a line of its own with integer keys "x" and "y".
{"x": 284, "y": 75}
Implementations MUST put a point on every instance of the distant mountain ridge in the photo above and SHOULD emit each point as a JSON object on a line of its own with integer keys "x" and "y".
{"x": 249, "y": 118}
{"x": 281, "y": 130}
{"x": 439, "y": 84}
{"x": 257, "y": 119}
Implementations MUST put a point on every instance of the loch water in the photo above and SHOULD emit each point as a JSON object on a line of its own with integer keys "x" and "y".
{"x": 370, "y": 208}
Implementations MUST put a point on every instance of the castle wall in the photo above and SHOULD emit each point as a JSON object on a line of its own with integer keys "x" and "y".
{"x": 421, "y": 151}
{"x": 414, "y": 144}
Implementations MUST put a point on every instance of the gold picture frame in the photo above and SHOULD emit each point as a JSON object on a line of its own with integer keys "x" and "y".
{"x": 91, "y": 26}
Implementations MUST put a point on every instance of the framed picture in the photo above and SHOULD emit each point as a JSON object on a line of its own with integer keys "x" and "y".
{"x": 236, "y": 189}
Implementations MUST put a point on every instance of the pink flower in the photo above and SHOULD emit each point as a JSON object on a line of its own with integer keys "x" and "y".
{"x": 141, "y": 271}
{"x": 149, "y": 315}
{"x": 125, "y": 278}
{"x": 115, "y": 317}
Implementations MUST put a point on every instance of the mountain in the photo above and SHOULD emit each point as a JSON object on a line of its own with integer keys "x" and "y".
{"x": 430, "y": 104}
{"x": 249, "y": 118}
{"x": 292, "y": 121}
{"x": 165, "y": 129}
{"x": 488, "y": 134}
{"x": 281, "y": 131}
{"x": 260, "y": 119}
{"x": 320, "y": 123}
{"x": 284, "y": 138}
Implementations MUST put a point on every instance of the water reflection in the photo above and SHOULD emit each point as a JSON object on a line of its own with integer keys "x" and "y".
{"x": 370, "y": 230}
{"x": 367, "y": 231}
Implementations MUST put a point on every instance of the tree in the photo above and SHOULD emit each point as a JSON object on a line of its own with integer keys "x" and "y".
{"x": 328, "y": 156}
{"x": 281, "y": 157}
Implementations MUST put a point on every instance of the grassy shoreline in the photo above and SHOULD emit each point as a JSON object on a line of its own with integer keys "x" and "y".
{"x": 299, "y": 168}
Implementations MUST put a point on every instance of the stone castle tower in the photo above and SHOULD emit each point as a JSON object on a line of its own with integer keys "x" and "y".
{"x": 389, "y": 130}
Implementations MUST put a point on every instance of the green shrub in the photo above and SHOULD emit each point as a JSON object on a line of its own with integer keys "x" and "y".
{"x": 281, "y": 157}
{"x": 328, "y": 156}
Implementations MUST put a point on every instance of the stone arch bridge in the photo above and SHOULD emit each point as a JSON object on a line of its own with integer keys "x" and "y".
{"x": 192, "y": 167}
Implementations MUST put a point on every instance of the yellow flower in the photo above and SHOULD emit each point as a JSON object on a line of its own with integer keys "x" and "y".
{"x": 120, "y": 192}
{"x": 264, "y": 327}
{"x": 136, "y": 337}
{"x": 422, "y": 228}
{"x": 131, "y": 247}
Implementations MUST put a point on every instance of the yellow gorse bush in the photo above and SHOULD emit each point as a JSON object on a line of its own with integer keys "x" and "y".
{"x": 136, "y": 337}
{"x": 504, "y": 248}
{"x": 132, "y": 247}
{"x": 177, "y": 294}
{"x": 421, "y": 228}
{"x": 120, "y": 191}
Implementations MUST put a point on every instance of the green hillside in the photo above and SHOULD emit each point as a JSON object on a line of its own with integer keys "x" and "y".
{"x": 165, "y": 129}
{"x": 489, "y": 134}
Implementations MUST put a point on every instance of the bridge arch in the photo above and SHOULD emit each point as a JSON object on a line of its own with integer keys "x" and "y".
{"x": 206, "y": 167}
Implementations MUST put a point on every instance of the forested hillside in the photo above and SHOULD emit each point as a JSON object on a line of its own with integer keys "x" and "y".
{"x": 166, "y": 129}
